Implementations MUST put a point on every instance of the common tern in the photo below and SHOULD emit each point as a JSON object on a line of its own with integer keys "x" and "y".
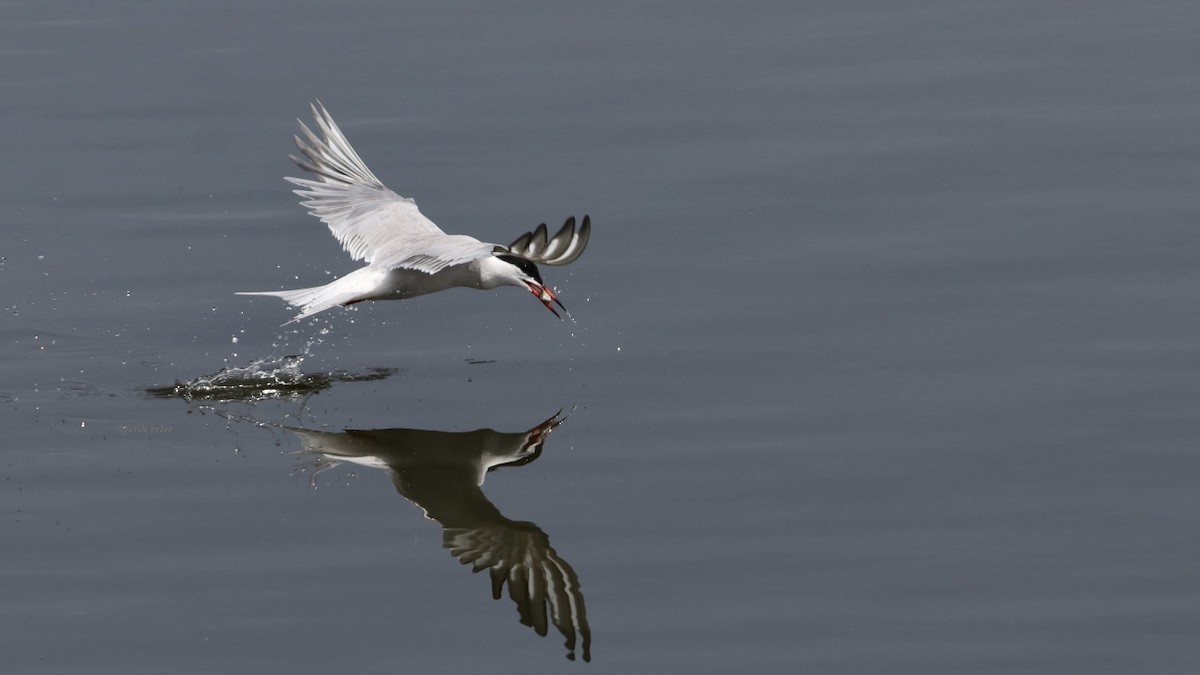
{"x": 406, "y": 253}
{"x": 442, "y": 473}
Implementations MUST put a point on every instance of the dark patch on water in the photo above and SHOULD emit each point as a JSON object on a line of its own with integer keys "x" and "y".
{"x": 265, "y": 379}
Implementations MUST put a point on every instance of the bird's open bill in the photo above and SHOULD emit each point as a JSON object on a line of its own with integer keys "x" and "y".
{"x": 546, "y": 296}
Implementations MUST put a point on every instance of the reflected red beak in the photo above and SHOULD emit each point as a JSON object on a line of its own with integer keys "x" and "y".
{"x": 546, "y": 296}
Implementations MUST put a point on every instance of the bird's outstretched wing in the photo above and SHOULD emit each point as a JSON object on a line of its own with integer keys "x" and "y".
{"x": 372, "y": 222}
{"x": 564, "y": 247}
{"x": 544, "y": 587}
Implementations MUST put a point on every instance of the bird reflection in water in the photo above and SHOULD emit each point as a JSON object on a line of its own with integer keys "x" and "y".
{"x": 442, "y": 473}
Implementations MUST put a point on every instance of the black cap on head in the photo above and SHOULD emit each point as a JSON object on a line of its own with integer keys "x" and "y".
{"x": 524, "y": 265}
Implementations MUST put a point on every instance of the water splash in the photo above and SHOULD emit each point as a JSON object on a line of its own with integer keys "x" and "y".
{"x": 263, "y": 379}
{"x": 271, "y": 377}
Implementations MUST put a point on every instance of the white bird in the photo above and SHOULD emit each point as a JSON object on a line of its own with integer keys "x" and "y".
{"x": 406, "y": 253}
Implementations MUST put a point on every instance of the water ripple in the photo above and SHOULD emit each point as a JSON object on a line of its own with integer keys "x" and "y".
{"x": 264, "y": 379}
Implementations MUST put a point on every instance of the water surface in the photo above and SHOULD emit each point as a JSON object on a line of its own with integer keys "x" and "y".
{"x": 881, "y": 357}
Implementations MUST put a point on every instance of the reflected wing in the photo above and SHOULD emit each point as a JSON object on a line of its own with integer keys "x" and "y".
{"x": 564, "y": 247}
{"x": 543, "y": 585}
{"x": 371, "y": 222}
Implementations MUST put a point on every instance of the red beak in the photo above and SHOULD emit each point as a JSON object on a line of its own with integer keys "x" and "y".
{"x": 546, "y": 296}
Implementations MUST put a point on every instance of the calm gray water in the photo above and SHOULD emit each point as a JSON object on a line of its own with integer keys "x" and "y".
{"x": 883, "y": 356}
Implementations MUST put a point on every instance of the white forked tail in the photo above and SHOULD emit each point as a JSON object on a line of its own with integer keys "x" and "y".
{"x": 350, "y": 288}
